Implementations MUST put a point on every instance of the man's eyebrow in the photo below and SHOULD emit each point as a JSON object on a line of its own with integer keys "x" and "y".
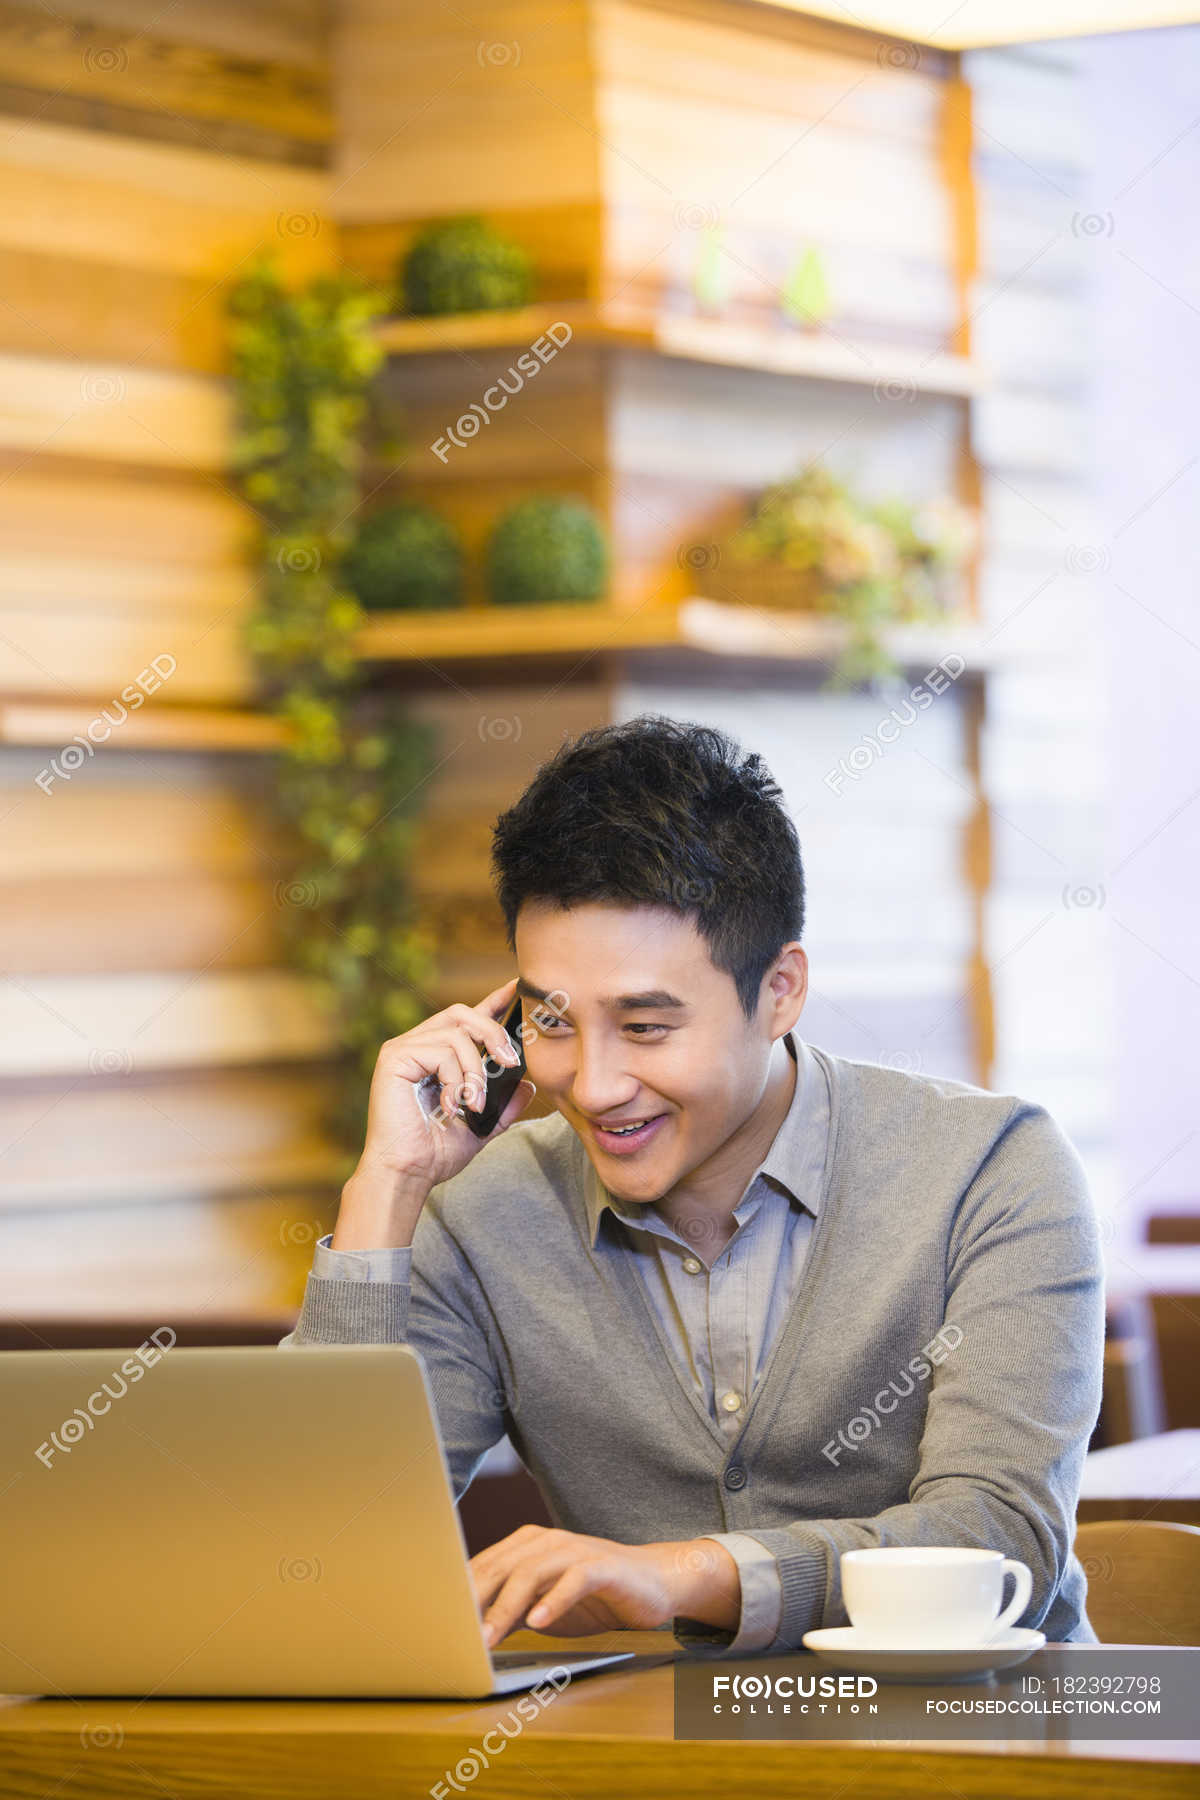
{"x": 653, "y": 1000}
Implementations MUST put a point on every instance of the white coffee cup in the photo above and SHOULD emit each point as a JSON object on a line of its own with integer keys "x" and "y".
{"x": 918, "y": 1595}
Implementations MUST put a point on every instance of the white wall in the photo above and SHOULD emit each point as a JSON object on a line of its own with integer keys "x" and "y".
{"x": 1141, "y": 90}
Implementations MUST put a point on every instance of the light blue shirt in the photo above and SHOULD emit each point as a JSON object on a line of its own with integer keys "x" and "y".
{"x": 718, "y": 1317}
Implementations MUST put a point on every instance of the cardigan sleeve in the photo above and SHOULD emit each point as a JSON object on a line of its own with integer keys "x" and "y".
{"x": 430, "y": 1300}
{"x": 1012, "y": 1401}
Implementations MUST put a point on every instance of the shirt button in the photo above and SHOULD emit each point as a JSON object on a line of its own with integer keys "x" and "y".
{"x": 692, "y": 1265}
{"x": 731, "y": 1401}
{"x": 735, "y": 1478}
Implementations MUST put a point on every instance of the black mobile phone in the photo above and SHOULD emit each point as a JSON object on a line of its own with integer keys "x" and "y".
{"x": 501, "y": 1080}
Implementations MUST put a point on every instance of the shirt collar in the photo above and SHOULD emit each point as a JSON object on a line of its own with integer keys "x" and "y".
{"x": 795, "y": 1159}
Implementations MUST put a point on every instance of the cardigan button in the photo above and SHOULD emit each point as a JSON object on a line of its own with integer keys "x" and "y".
{"x": 735, "y": 1478}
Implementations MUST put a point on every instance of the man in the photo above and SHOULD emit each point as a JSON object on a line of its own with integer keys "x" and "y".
{"x": 740, "y": 1304}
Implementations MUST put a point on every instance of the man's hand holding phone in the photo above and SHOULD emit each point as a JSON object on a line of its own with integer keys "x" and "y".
{"x": 427, "y": 1082}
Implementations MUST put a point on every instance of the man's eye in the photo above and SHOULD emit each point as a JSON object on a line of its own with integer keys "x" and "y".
{"x": 641, "y": 1027}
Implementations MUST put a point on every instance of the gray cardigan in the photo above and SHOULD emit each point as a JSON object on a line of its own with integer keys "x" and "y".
{"x": 936, "y": 1380}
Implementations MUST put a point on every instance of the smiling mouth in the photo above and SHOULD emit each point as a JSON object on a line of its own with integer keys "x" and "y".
{"x": 625, "y": 1138}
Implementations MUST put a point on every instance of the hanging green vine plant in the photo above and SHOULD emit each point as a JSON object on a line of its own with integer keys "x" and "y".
{"x": 349, "y": 781}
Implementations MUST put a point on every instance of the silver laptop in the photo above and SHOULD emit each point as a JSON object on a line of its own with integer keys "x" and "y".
{"x": 237, "y": 1522}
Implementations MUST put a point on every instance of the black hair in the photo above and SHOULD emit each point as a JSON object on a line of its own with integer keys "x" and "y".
{"x": 660, "y": 812}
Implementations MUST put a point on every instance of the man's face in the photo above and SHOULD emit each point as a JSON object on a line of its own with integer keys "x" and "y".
{"x": 696, "y": 1069}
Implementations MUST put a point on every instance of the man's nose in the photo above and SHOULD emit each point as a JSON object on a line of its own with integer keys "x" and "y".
{"x": 600, "y": 1085}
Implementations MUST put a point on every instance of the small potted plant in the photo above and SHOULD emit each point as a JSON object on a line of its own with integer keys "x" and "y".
{"x": 405, "y": 556}
{"x": 547, "y": 548}
{"x": 811, "y": 545}
{"x": 462, "y": 265}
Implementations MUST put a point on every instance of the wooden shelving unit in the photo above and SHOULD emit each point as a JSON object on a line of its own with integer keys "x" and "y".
{"x": 505, "y": 631}
{"x": 706, "y": 626}
{"x": 774, "y": 350}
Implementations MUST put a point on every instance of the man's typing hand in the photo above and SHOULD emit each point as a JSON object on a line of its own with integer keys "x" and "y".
{"x": 569, "y": 1585}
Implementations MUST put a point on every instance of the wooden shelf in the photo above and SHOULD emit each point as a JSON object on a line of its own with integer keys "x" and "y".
{"x": 53, "y": 725}
{"x": 488, "y": 631}
{"x": 776, "y": 350}
{"x": 707, "y": 626}
{"x": 725, "y": 631}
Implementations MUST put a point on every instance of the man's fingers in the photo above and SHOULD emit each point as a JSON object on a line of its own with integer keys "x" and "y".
{"x": 493, "y": 1566}
{"x": 515, "y": 1598}
{"x": 572, "y": 1586}
{"x": 499, "y": 1000}
{"x": 507, "y": 1549}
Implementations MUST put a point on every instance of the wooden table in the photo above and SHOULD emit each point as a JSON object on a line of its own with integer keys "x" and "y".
{"x": 612, "y": 1734}
{"x": 1149, "y": 1478}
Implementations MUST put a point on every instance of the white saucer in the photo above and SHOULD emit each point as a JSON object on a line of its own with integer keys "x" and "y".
{"x": 849, "y": 1649}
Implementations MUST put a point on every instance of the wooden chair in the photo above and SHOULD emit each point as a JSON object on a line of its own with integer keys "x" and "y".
{"x": 1176, "y": 1332}
{"x": 1143, "y": 1580}
{"x": 1173, "y": 1228}
{"x": 494, "y": 1505}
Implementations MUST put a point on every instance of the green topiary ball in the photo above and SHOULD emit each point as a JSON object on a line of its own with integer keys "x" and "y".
{"x": 405, "y": 555}
{"x": 547, "y": 548}
{"x": 462, "y": 265}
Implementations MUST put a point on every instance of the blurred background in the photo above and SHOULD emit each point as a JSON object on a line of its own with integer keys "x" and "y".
{"x": 388, "y": 393}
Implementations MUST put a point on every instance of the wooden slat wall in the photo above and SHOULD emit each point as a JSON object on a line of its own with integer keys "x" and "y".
{"x": 154, "y": 1046}
{"x": 457, "y": 112}
{"x": 80, "y": 1146}
{"x": 176, "y": 860}
{"x": 104, "y": 566}
{"x": 603, "y": 135}
{"x": 146, "y": 81}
